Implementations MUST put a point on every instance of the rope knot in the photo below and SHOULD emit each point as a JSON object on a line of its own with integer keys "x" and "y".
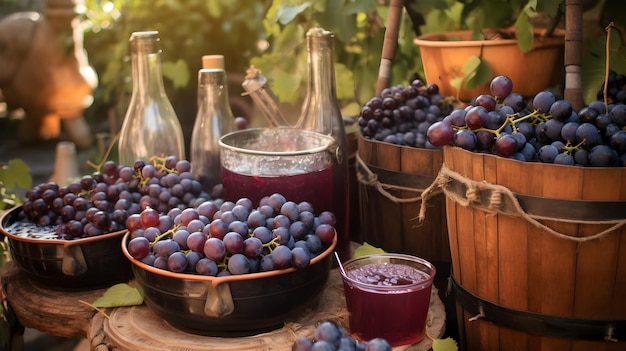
{"x": 472, "y": 194}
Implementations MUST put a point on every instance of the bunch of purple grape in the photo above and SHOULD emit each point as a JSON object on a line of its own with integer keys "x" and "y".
{"x": 102, "y": 202}
{"x": 546, "y": 129}
{"x": 219, "y": 238}
{"x": 329, "y": 336}
{"x": 616, "y": 88}
{"x": 402, "y": 114}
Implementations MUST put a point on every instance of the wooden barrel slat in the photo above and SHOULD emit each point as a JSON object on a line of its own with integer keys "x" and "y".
{"x": 393, "y": 224}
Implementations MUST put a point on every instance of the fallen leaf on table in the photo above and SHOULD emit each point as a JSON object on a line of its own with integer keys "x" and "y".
{"x": 119, "y": 295}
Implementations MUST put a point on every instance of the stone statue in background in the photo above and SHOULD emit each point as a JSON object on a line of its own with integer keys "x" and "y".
{"x": 44, "y": 70}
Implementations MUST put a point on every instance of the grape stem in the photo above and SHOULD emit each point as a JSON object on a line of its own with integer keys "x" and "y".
{"x": 513, "y": 121}
{"x": 165, "y": 234}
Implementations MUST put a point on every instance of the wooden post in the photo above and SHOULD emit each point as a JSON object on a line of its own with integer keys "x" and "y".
{"x": 573, "y": 53}
{"x": 390, "y": 44}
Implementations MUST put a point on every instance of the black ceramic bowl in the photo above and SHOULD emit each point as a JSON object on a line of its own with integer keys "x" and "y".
{"x": 231, "y": 305}
{"x": 80, "y": 264}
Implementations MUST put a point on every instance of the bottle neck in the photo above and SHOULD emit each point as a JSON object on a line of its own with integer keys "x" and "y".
{"x": 320, "y": 107}
{"x": 146, "y": 68}
{"x": 212, "y": 87}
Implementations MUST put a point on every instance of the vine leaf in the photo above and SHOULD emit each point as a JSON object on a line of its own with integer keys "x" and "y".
{"x": 287, "y": 13}
{"x": 447, "y": 344}
{"x": 177, "y": 72}
{"x": 119, "y": 295}
{"x": 525, "y": 33}
{"x": 367, "y": 249}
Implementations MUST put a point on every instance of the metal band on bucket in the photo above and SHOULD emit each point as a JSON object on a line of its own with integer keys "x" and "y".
{"x": 537, "y": 323}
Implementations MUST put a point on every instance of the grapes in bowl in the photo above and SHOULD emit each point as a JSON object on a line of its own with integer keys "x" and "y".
{"x": 80, "y": 264}
{"x": 240, "y": 273}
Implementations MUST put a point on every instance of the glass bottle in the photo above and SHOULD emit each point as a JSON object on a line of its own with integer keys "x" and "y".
{"x": 321, "y": 113}
{"x": 214, "y": 119}
{"x": 151, "y": 127}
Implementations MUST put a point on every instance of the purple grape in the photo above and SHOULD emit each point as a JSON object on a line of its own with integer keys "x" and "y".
{"x": 177, "y": 262}
{"x": 326, "y": 233}
{"x": 440, "y": 134}
{"x": 233, "y": 242}
{"x": 543, "y": 101}
{"x": 500, "y": 87}
{"x": 238, "y": 264}
{"x": 282, "y": 257}
{"x": 603, "y": 156}
{"x": 547, "y": 153}
{"x": 252, "y": 247}
{"x": 506, "y": 145}
{"x": 300, "y": 257}
{"x": 196, "y": 241}
{"x": 139, "y": 247}
{"x": 465, "y": 139}
{"x": 206, "y": 266}
{"x": 214, "y": 249}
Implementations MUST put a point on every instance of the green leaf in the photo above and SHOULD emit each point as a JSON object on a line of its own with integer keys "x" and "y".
{"x": 177, "y": 72}
{"x": 16, "y": 173}
{"x": 447, "y": 344}
{"x": 344, "y": 82}
{"x": 525, "y": 33}
{"x": 287, "y": 13}
{"x": 284, "y": 84}
{"x": 356, "y": 6}
{"x": 367, "y": 249}
{"x": 481, "y": 75}
{"x": 457, "y": 83}
{"x": 119, "y": 295}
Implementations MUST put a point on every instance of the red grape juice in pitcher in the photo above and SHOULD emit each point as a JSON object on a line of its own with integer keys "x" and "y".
{"x": 298, "y": 164}
{"x": 388, "y": 296}
{"x": 315, "y": 187}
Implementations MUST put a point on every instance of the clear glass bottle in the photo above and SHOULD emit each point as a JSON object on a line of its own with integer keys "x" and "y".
{"x": 321, "y": 113}
{"x": 214, "y": 119}
{"x": 151, "y": 127}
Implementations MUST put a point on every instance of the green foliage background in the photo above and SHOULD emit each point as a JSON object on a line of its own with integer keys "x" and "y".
{"x": 270, "y": 34}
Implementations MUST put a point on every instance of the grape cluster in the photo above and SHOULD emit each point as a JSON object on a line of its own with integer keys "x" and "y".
{"x": 616, "y": 88}
{"x": 546, "y": 129}
{"x": 101, "y": 202}
{"x": 329, "y": 336}
{"x": 402, "y": 114}
{"x": 219, "y": 237}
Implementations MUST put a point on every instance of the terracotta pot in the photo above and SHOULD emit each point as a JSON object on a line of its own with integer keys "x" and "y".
{"x": 445, "y": 54}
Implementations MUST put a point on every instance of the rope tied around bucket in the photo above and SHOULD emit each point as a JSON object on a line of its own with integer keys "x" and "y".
{"x": 367, "y": 177}
{"x": 497, "y": 199}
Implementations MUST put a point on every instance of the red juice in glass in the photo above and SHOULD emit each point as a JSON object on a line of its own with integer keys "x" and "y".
{"x": 388, "y": 296}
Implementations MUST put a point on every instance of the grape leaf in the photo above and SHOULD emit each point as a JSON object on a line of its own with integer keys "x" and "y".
{"x": 119, "y": 295}
{"x": 447, "y": 344}
{"x": 476, "y": 72}
{"x": 525, "y": 33}
{"x": 177, "y": 72}
{"x": 367, "y": 249}
{"x": 287, "y": 13}
{"x": 15, "y": 173}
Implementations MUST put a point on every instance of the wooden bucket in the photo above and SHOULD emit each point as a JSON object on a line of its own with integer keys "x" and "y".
{"x": 538, "y": 253}
{"x": 391, "y": 179}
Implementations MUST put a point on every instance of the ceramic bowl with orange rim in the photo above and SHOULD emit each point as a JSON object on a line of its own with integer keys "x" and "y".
{"x": 79, "y": 264}
{"x": 232, "y": 305}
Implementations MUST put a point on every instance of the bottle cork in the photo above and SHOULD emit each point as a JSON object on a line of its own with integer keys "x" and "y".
{"x": 213, "y": 61}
